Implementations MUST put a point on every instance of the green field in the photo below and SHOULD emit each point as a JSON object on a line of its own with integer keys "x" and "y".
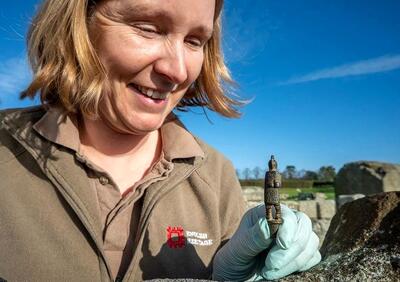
{"x": 293, "y": 192}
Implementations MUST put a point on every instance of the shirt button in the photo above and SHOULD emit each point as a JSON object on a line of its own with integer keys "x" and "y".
{"x": 103, "y": 180}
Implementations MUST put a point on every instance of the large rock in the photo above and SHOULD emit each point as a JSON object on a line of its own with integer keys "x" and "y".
{"x": 362, "y": 243}
{"x": 367, "y": 177}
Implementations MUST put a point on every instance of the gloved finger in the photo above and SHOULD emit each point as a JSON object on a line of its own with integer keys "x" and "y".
{"x": 279, "y": 255}
{"x": 236, "y": 259}
{"x": 297, "y": 263}
{"x": 312, "y": 262}
{"x": 248, "y": 243}
{"x": 252, "y": 216}
{"x": 294, "y": 224}
{"x": 305, "y": 256}
{"x": 259, "y": 237}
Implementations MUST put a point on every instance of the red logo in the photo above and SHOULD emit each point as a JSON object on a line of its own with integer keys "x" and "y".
{"x": 175, "y": 237}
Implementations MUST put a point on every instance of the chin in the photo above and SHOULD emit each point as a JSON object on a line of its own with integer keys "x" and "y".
{"x": 143, "y": 126}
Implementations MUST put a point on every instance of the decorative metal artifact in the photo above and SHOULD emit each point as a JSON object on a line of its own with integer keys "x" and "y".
{"x": 272, "y": 183}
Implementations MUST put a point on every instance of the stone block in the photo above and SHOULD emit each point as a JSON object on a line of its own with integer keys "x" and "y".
{"x": 254, "y": 196}
{"x": 309, "y": 208}
{"x": 291, "y": 204}
{"x": 342, "y": 199}
{"x": 326, "y": 209}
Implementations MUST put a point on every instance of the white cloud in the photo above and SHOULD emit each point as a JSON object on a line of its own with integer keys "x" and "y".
{"x": 14, "y": 76}
{"x": 246, "y": 32}
{"x": 375, "y": 65}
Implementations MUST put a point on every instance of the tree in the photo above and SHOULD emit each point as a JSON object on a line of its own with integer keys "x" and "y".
{"x": 257, "y": 172}
{"x": 300, "y": 174}
{"x": 246, "y": 173}
{"x": 326, "y": 173}
{"x": 290, "y": 172}
{"x": 310, "y": 175}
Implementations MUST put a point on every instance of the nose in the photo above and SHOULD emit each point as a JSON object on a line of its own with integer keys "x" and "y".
{"x": 172, "y": 63}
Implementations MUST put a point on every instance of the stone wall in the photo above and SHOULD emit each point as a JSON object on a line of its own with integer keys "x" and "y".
{"x": 319, "y": 210}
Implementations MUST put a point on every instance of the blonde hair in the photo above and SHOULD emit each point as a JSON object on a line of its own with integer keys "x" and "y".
{"x": 68, "y": 72}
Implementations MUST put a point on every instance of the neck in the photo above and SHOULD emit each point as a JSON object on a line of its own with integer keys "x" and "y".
{"x": 126, "y": 157}
{"x": 101, "y": 138}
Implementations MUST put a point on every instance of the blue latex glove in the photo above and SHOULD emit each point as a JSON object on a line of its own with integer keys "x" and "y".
{"x": 294, "y": 249}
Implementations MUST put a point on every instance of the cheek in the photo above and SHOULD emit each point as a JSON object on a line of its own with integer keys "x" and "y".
{"x": 125, "y": 54}
{"x": 195, "y": 65}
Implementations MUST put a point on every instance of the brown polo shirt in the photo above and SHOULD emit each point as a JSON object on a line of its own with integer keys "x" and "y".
{"x": 119, "y": 213}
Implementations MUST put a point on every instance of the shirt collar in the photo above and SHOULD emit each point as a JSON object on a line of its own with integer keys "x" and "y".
{"x": 61, "y": 127}
{"x": 178, "y": 142}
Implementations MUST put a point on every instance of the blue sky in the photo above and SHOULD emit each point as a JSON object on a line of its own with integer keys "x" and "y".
{"x": 323, "y": 76}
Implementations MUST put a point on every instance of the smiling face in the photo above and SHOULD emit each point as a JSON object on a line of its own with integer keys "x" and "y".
{"x": 152, "y": 51}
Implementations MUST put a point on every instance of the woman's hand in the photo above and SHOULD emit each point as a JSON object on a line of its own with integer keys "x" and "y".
{"x": 294, "y": 249}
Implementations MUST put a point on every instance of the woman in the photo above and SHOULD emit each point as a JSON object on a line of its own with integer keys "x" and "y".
{"x": 102, "y": 182}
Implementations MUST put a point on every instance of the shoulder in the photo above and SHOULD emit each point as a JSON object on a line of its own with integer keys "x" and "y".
{"x": 20, "y": 116}
{"x": 11, "y": 122}
{"x": 219, "y": 174}
{"x": 217, "y": 170}
{"x": 213, "y": 158}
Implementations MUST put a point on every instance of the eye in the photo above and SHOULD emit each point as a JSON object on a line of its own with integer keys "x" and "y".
{"x": 147, "y": 28}
{"x": 195, "y": 42}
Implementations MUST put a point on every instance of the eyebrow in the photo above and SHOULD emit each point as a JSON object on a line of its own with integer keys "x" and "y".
{"x": 138, "y": 10}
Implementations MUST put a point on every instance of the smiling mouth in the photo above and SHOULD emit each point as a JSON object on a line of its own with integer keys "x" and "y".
{"x": 149, "y": 92}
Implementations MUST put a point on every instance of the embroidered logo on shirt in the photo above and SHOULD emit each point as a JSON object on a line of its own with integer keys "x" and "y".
{"x": 175, "y": 237}
{"x": 197, "y": 238}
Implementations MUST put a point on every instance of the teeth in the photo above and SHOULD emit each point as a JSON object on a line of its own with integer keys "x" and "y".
{"x": 152, "y": 93}
{"x": 157, "y": 95}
